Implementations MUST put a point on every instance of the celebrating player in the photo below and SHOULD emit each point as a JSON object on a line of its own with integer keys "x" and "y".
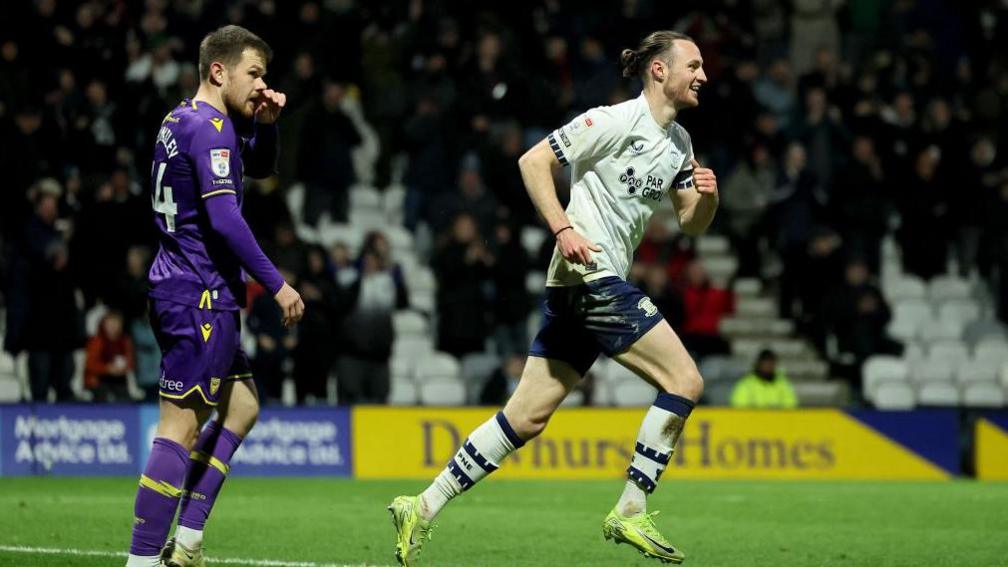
{"x": 197, "y": 289}
{"x": 625, "y": 158}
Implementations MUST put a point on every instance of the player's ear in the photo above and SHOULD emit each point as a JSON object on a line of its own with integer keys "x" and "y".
{"x": 218, "y": 73}
{"x": 658, "y": 70}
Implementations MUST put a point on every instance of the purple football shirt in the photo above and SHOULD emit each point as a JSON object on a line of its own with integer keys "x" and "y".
{"x": 196, "y": 183}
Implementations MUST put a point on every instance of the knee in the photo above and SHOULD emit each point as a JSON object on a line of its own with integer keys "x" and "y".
{"x": 528, "y": 425}
{"x": 689, "y": 384}
{"x": 241, "y": 416}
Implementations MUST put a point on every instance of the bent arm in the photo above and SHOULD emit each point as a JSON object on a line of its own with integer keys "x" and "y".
{"x": 226, "y": 220}
{"x": 537, "y": 167}
{"x": 695, "y": 210}
{"x": 260, "y": 153}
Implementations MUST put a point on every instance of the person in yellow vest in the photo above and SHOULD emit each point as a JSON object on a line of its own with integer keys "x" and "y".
{"x": 765, "y": 387}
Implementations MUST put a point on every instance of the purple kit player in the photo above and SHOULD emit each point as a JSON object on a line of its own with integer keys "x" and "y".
{"x": 197, "y": 288}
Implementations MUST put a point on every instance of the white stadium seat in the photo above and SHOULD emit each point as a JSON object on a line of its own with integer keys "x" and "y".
{"x": 437, "y": 365}
{"x": 948, "y": 287}
{"x": 983, "y": 395}
{"x": 912, "y": 310}
{"x": 637, "y": 393}
{"x": 402, "y": 368}
{"x": 10, "y": 389}
{"x": 442, "y": 391}
{"x": 712, "y": 245}
{"x": 532, "y": 238}
{"x": 905, "y": 287}
{"x": 882, "y": 368}
{"x": 977, "y": 371}
{"x": 960, "y": 310}
{"x": 933, "y": 370}
{"x": 894, "y": 396}
{"x": 953, "y": 352}
{"x": 938, "y": 394}
{"x": 410, "y": 323}
{"x": 403, "y": 392}
{"x": 939, "y": 330}
{"x": 411, "y": 347}
{"x": 995, "y": 350}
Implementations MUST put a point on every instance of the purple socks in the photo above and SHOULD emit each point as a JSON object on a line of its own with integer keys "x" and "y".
{"x": 158, "y": 496}
{"x": 210, "y": 462}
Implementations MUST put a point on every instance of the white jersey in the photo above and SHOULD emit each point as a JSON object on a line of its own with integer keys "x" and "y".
{"x": 623, "y": 164}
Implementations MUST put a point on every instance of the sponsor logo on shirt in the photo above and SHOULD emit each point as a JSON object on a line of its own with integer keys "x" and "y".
{"x": 630, "y": 179}
{"x": 653, "y": 187}
{"x": 637, "y": 147}
{"x": 220, "y": 161}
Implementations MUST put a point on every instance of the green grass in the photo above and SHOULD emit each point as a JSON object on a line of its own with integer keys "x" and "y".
{"x": 717, "y": 523}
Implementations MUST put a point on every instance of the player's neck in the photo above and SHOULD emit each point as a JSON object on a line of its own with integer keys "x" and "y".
{"x": 661, "y": 108}
{"x": 211, "y": 95}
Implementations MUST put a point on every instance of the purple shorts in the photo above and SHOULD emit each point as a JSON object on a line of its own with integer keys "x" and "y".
{"x": 200, "y": 350}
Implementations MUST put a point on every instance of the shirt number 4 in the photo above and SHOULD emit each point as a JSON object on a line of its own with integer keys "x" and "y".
{"x": 162, "y": 201}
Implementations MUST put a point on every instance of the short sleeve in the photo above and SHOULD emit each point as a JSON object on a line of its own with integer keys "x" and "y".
{"x": 212, "y": 154}
{"x": 591, "y": 135}
{"x": 684, "y": 178}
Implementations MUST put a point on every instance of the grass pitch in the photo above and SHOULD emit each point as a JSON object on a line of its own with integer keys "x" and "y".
{"x": 315, "y": 522}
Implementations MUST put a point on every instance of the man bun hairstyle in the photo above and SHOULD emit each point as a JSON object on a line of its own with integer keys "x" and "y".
{"x": 226, "y": 45}
{"x": 635, "y": 62}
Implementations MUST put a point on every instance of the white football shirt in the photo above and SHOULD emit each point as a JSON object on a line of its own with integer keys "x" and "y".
{"x": 623, "y": 165}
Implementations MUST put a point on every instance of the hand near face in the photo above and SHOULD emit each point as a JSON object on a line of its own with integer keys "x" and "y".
{"x": 268, "y": 106}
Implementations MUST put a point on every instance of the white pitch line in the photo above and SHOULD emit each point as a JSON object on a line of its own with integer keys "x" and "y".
{"x": 223, "y": 560}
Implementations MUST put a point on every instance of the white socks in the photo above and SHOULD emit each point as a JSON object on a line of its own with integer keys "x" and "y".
{"x": 480, "y": 455}
{"x": 656, "y": 441}
{"x": 143, "y": 561}
{"x": 192, "y": 539}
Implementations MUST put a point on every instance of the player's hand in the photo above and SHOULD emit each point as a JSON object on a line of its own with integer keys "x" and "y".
{"x": 268, "y": 106}
{"x": 291, "y": 306}
{"x": 576, "y": 248}
{"x": 704, "y": 179}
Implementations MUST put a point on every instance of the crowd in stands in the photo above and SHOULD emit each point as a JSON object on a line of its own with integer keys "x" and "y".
{"x": 830, "y": 124}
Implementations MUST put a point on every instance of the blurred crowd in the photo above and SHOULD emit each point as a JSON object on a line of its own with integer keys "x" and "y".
{"x": 830, "y": 124}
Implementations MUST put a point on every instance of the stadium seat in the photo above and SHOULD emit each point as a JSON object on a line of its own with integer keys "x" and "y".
{"x": 730, "y": 327}
{"x": 1003, "y": 375}
{"x": 573, "y": 399}
{"x": 805, "y": 369}
{"x": 410, "y": 323}
{"x": 977, "y": 371}
{"x": 10, "y": 389}
{"x": 938, "y": 394}
{"x": 983, "y": 395}
{"x": 365, "y": 197}
{"x": 399, "y": 238}
{"x": 978, "y": 331}
{"x": 535, "y": 282}
{"x": 616, "y": 373}
{"x": 402, "y": 368}
{"x": 991, "y": 349}
{"x": 948, "y": 287}
{"x": 954, "y": 352}
{"x": 422, "y": 300}
{"x": 368, "y": 219}
{"x": 412, "y": 348}
{"x": 756, "y": 307}
{"x": 721, "y": 368}
{"x": 882, "y": 368}
{"x": 894, "y": 396}
{"x": 712, "y": 245}
{"x": 904, "y": 287}
{"x": 434, "y": 365}
{"x": 747, "y": 287}
{"x": 933, "y": 370}
{"x": 960, "y": 310}
{"x": 602, "y": 394}
{"x": 914, "y": 351}
{"x": 939, "y": 330}
{"x": 635, "y": 393}
{"x": 476, "y": 368}
{"x": 402, "y": 392}
{"x": 718, "y": 393}
{"x": 789, "y": 347}
{"x": 914, "y": 310}
{"x": 820, "y": 394}
{"x": 93, "y": 317}
{"x": 421, "y": 278}
{"x": 442, "y": 391}
{"x": 780, "y": 327}
{"x": 532, "y": 238}
{"x": 721, "y": 269}
{"x": 902, "y": 329}
{"x": 331, "y": 233}
{"x": 393, "y": 202}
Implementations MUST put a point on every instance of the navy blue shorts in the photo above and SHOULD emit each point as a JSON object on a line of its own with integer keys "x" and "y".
{"x": 602, "y": 316}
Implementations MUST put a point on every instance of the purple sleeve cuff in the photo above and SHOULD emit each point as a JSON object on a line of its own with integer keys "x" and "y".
{"x": 226, "y": 220}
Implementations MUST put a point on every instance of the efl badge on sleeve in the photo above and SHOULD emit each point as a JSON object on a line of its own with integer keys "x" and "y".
{"x": 220, "y": 162}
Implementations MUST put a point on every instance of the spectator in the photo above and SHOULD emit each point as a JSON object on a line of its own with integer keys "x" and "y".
{"x": 862, "y": 202}
{"x": 705, "y": 306}
{"x": 744, "y": 199}
{"x": 324, "y": 159}
{"x": 274, "y": 343}
{"x": 43, "y": 317}
{"x": 924, "y": 208}
{"x": 766, "y": 387}
{"x": 654, "y": 281}
{"x": 511, "y": 298}
{"x": 319, "y": 341}
{"x": 463, "y": 267}
{"x": 363, "y": 374}
{"x": 502, "y": 383}
{"x": 855, "y": 314}
{"x": 109, "y": 360}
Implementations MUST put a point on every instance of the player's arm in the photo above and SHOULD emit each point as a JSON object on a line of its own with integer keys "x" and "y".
{"x": 227, "y": 221}
{"x": 260, "y": 153}
{"x": 696, "y": 201}
{"x": 590, "y": 135}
